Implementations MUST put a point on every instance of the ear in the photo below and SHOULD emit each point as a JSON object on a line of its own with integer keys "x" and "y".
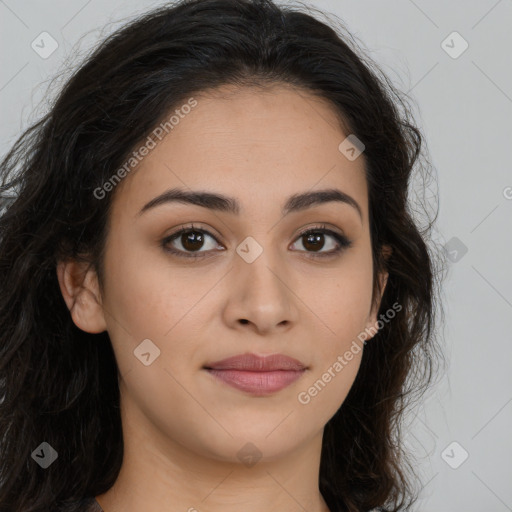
{"x": 383, "y": 280}
{"x": 80, "y": 289}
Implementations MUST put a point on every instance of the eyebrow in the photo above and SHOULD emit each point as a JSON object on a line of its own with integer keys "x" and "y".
{"x": 222, "y": 203}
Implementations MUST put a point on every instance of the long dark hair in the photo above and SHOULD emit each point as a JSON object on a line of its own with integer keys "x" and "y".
{"x": 59, "y": 384}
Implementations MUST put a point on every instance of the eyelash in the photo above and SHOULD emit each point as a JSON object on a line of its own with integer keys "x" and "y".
{"x": 343, "y": 242}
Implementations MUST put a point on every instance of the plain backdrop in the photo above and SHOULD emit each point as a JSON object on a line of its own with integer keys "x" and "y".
{"x": 454, "y": 60}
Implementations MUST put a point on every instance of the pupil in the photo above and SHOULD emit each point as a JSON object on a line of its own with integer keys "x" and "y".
{"x": 191, "y": 238}
{"x": 314, "y": 238}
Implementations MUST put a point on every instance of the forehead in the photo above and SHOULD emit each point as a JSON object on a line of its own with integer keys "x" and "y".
{"x": 253, "y": 144}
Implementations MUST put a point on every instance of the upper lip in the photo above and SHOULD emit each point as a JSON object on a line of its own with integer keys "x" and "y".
{"x": 255, "y": 363}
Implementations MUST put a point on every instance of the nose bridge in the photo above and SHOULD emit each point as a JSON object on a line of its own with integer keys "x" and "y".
{"x": 260, "y": 284}
{"x": 259, "y": 266}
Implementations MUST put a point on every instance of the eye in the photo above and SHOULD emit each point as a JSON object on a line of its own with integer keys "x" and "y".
{"x": 315, "y": 240}
{"x": 192, "y": 239}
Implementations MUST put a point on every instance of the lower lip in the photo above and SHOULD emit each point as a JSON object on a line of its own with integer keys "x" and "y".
{"x": 258, "y": 383}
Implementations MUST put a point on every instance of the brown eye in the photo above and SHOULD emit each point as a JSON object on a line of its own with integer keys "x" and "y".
{"x": 313, "y": 241}
{"x": 192, "y": 240}
{"x": 188, "y": 242}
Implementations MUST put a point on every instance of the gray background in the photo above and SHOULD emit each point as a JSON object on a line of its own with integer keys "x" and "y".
{"x": 464, "y": 107}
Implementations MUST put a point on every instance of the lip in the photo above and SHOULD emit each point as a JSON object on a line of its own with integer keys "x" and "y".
{"x": 254, "y": 363}
{"x": 257, "y": 375}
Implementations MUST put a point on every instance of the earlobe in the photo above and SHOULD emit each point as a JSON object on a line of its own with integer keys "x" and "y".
{"x": 78, "y": 283}
{"x": 383, "y": 281}
{"x": 371, "y": 326}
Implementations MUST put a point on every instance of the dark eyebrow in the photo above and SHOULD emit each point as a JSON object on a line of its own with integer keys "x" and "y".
{"x": 222, "y": 203}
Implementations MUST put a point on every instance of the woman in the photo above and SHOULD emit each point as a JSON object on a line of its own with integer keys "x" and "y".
{"x": 213, "y": 295}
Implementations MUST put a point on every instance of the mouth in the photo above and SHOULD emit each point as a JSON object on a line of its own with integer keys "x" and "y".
{"x": 257, "y": 375}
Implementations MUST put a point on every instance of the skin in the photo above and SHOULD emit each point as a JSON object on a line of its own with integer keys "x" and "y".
{"x": 182, "y": 427}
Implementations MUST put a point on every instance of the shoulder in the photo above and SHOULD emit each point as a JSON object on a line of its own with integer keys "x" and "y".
{"x": 88, "y": 504}
{"x": 91, "y": 505}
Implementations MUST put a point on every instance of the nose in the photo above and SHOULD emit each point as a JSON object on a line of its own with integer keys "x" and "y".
{"x": 261, "y": 296}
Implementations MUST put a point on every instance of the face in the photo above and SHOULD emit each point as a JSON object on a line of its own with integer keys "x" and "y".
{"x": 257, "y": 286}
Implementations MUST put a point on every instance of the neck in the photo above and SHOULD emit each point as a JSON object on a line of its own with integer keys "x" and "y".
{"x": 159, "y": 474}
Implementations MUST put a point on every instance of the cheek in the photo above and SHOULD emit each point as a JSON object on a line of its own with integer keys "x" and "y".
{"x": 131, "y": 304}
{"x": 143, "y": 295}
{"x": 338, "y": 348}
{"x": 326, "y": 389}
{"x": 149, "y": 299}
{"x": 343, "y": 309}
{"x": 343, "y": 301}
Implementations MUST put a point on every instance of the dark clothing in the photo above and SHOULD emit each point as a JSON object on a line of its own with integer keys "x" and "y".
{"x": 91, "y": 505}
